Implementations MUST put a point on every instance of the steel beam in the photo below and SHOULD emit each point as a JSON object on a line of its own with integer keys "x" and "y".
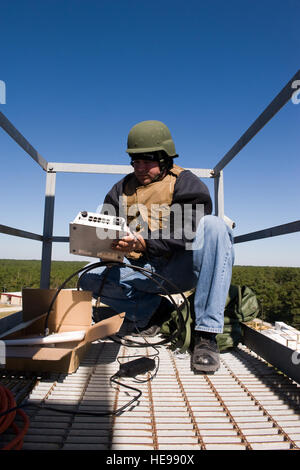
{"x": 219, "y": 195}
{"x": 20, "y": 233}
{"x": 88, "y": 168}
{"x": 20, "y": 139}
{"x": 279, "y": 101}
{"x": 284, "y": 229}
{"x": 61, "y": 239}
{"x": 48, "y": 231}
{"x": 110, "y": 169}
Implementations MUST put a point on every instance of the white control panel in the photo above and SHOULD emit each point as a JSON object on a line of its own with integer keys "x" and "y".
{"x": 91, "y": 234}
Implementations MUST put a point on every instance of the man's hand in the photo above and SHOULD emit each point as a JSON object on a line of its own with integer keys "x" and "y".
{"x": 132, "y": 242}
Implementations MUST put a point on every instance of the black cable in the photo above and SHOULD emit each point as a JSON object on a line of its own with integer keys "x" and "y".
{"x": 105, "y": 274}
{"x": 147, "y": 273}
{"x": 113, "y": 378}
{"x": 82, "y": 413}
{"x": 106, "y": 413}
{"x": 182, "y": 322}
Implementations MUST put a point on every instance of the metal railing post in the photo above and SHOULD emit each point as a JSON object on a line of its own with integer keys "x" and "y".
{"x": 219, "y": 195}
{"x": 48, "y": 230}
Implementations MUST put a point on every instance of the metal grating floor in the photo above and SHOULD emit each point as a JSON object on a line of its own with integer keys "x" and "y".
{"x": 245, "y": 405}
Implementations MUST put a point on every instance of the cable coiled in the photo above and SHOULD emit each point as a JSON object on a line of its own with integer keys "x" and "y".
{"x": 8, "y": 413}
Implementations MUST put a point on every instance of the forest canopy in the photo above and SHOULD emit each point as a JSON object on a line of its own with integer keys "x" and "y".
{"x": 277, "y": 288}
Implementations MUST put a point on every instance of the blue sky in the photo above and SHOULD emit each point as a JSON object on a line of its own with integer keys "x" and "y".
{"x": 80, "y": 74}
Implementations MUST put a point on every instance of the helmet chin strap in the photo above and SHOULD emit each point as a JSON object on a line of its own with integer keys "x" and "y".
{"x": 160, "y": 176}
{"x": 164, "y": 167}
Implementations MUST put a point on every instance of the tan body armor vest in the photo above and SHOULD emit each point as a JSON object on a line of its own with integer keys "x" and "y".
{"x": 148, "y": 207}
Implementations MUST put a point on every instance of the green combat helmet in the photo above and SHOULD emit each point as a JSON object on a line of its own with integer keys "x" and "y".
{"x": 150, "y": 136}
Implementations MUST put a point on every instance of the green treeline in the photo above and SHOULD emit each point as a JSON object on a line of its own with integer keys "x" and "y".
{"x": 18, "y": 274}
{"x": 277, "y": 288}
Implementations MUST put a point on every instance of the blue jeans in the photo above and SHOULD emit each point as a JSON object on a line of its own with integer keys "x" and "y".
{"x": 205, "y": 266}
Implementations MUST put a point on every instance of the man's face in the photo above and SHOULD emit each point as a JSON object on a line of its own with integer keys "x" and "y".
{"x": 145, "y": 170}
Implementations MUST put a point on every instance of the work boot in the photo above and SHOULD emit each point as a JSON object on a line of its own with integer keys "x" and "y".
{"x": 205, "y": 357}
{"x": 149, "y": 331}
{"x": 161, "y": 315}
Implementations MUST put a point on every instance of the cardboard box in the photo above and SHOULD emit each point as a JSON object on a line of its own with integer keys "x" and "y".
{"x": 72, "y": 311}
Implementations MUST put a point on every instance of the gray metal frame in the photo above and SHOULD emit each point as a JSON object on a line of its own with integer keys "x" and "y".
{"x": 274, "y": 353}
{"x": 51, "y": 168}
